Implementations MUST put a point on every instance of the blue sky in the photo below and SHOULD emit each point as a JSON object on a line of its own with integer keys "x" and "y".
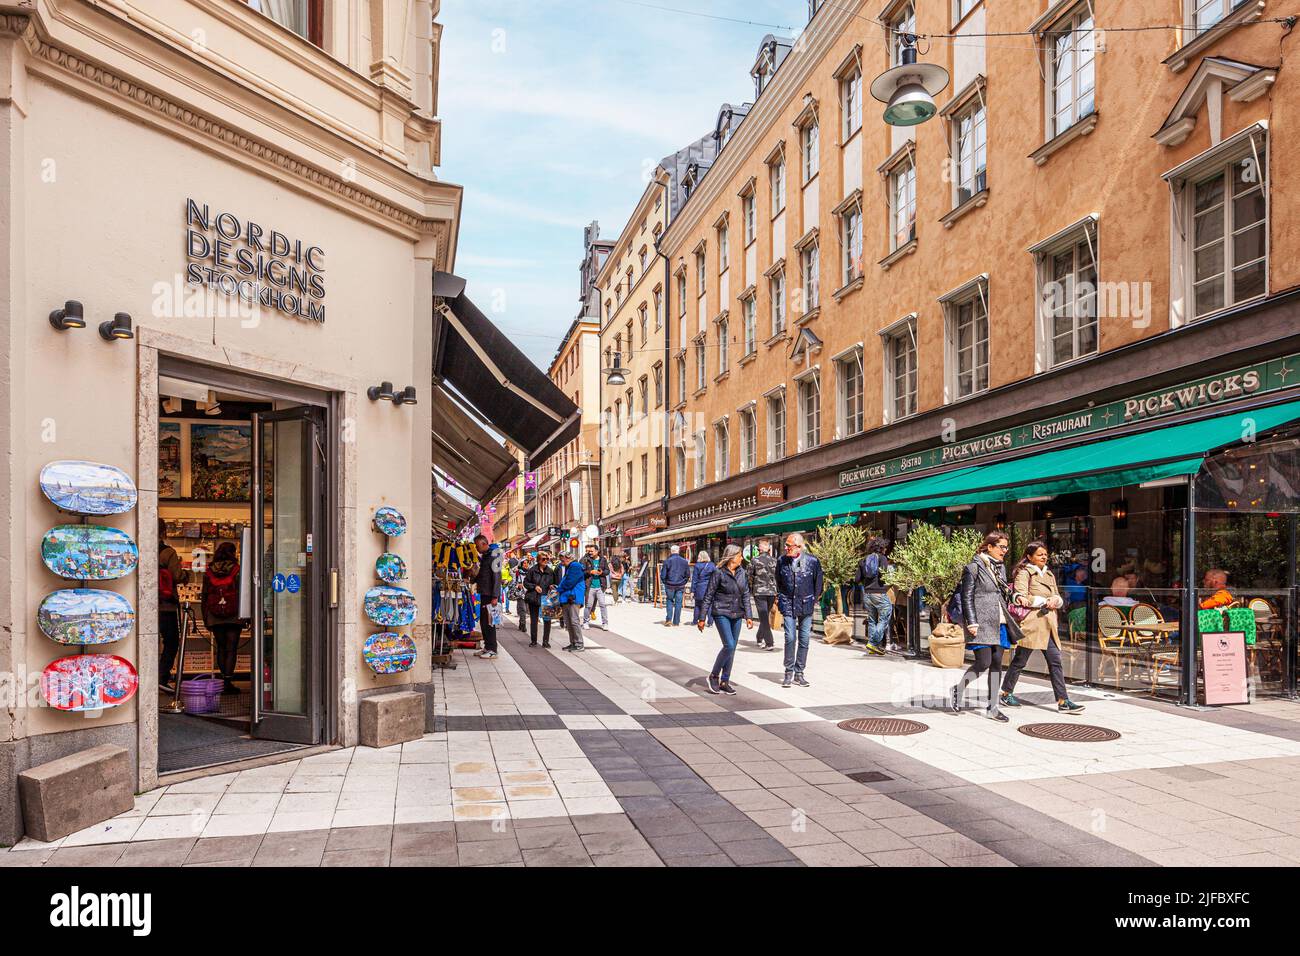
{"x": 553, "y": 111}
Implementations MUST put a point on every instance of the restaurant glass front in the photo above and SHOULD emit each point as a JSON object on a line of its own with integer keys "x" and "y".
{"x": 1118, "y": 556}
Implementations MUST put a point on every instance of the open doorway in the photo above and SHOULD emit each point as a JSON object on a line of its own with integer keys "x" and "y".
{"x": 243, "y": 592}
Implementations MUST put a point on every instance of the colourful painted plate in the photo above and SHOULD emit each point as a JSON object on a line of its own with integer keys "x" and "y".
{"x": 389, "y": 653}
{"x": 390, "y": 568}
{"x": 85, "y": 616}
{"x": 88, "y": 488}
{"x": 89, "y": 552}
{"x": 390, "y": 521}
{"x": 391, "y": 607}
{"x": 89, "y": 682}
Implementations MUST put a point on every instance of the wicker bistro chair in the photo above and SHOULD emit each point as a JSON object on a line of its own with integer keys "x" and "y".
{"x": 1113, "y": 642}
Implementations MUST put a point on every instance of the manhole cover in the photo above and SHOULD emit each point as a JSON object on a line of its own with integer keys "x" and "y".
{"x": 869, "y": 776}
{"x": 883, "y": 726}
{"x": 1071, "y": 733}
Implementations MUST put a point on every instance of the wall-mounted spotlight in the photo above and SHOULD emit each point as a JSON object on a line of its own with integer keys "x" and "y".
{"x": 118, "y": 328}
{"x": 71, "y": 316}
{"x": 381, "y": 392}
{"x": 406, "y": 396}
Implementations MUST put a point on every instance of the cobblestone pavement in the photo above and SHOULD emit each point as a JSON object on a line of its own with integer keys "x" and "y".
{"x": 618, "y": 757}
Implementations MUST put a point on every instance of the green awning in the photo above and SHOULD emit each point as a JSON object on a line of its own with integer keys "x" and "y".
{"x": 1128, "y": 460}
{"x": 840, "y": 508}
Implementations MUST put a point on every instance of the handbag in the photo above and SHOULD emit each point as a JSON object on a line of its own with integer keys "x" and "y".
{"x": 774, "y": 618}
{"x": 1014, "y": 612}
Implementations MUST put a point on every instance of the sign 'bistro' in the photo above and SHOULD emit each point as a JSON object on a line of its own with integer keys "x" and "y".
{"x": 258, "y": 265}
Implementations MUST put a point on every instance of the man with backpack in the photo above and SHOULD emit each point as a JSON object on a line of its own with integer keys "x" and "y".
{"x": 875, "y": 595}
{"x": 170, "y": 576}
{"x": 220, "y": 601}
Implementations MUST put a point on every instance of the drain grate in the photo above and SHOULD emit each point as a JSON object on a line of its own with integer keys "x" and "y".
{"x": 1070, "y": 733}
{"x": 869, "y": 776}
{"x": 883, "y": 726}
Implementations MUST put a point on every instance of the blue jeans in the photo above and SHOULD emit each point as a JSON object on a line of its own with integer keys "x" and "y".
{"x": 625, "y": 587}
{"x": 879, "y": 612}
{"x": 699, "y": 611}
{"x": 729, "y": 629}
{"x": 795, "y": 659}
{"x": 673, "y": 604}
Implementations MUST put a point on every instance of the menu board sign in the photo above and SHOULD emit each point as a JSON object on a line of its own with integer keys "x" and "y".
{"x": 1224, "y": 659}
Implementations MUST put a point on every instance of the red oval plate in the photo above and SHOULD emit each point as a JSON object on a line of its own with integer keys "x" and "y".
{"x": 89, "y": 682}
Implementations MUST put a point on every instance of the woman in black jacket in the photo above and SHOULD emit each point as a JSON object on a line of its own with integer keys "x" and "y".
{"x": 727, "y": 602}
{"x": 540, "y": 578}
{"x": 990, "y": 629}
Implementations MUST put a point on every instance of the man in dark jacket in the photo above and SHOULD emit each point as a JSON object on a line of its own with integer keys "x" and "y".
{"x": 673, "y": 574}
{"x": 875, "y": 595}
{"x": 762, "y": 586}
{"x": 487, "y": 581}
{"x": 597, "y": 571}
{"x": 537, "y": 581}
{"x": 799, "y": 585}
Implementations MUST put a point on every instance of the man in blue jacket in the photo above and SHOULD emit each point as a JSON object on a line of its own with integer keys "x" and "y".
{"x": 799, "y": 585}
{"x": 674, "y": 573}
{"x": 572, "y": 594}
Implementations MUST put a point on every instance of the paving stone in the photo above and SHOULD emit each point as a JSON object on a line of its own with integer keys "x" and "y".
{"x": 754, "y": 852}
{"x": 106, "y": 855}
{"x": 660, "y": 826}
{"x": 614, "y": 842}
{"x": 488, "y": 852}
{"x": 225, "y": 849}
{"x": 634, "y": 788}
{"x": 566, "y": 854}
{"x": 875, "y": 841}
{"x": 946, "y": 846}
{"x": 830, "y": 854}
{"x": 630, "y": 858}
{"x": 300, "y": 848}
{"x": 445, "y": 858}
{"x": 682, "y": 844}
{"x": 154, "y": 853}
{"x": 475, "y": 831}
{"x": 359, "y": 838}
{"x": 809, "y": 834}
{"x": 915, "y": 826}
{"x": 731, "y": 831}
{"x": 603, "y": 823}
{"x": 904, "y": 858}
{"x": 418, "y": 843}
{"x": 710, "y": 860}
{"x": 538, "y": 837}
{"x": 367, "y": 857}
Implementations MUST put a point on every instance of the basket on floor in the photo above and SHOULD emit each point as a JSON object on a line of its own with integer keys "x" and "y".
{"x": 200, "y": 695}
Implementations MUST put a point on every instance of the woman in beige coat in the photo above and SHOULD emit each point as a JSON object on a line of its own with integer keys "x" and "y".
{"x": 1035, "y": 587}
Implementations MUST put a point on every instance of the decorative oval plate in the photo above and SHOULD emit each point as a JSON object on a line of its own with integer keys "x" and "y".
{"x": 390, "y": 568}
{"x": 389, "y": 653}
{"x": 85, "y": 616}
{"x": 89, "y": 682}
{"x": 88, "y": 488}
{"x": 391, "y": 607}
{"x": 89, "y": 552}
{"x": 390, "y": 521}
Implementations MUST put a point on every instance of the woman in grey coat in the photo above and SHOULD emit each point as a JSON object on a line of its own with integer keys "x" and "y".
{"x": 989, "y": 628}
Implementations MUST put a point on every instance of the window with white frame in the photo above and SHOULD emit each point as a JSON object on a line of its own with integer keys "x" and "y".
{"x": 810, "y": 275}
{"x": 699, "y": 273}
{"x": 748, "y": 439}
{"x": 776, "y": 286}
{"x": 968, "y": 342}
{"x": 618, "y": 416}
{"x": 1071, "y": 71}
{"x": 681, "y": 294}
{"x": 903, "y": 24}
{"x": 643, "y": 315}
{"x": 645, "y": 475}
{"x": 700, "y": 449}
{"x": 848, "y": 394}
{"x": 776, "y": 180}
{"x": 659, "y": 468}
{"x": 776, "y": 426}
{"x": 631, "y": 412}
{"x": 810, "y": 411}
{"x": 962, "y": 7}
{"x": 658, "y": 372}
{"x": 1067, "y": 298}
{"x": 629, "y": 481}
{"x": 902, "y": 203}
{"x": 749, "y": 313}
{"x": 723, "y": 344}
{"x": 644, "y": 253}
{"x": 724, "y": 248}
{"x": 970, "y": 150}
{"x": 851, "y": 102}
{"x": 851, "y": 244}
{"x": 700, "y": 371}
{"x": 721, "y": 451}
{"x": 1203, "y": 14}
{"x": 1227, "y": 234}
{"x": 681, "y": 379}
{"x": 679, "y": 469}
{"x": 809, "y": 150}
{"x": 644, "y": 384}
{"x": 659, "y": 309}
{"x": 900, "y": 371}
{"x": 748, "y": 214}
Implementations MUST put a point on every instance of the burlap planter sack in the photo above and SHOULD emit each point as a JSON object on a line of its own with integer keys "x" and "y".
{"x": 947, "y": 646}
{"x": 837, "y": 629}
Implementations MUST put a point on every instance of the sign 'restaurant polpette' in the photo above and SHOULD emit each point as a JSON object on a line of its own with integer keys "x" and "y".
{"x": 241, "y": 258}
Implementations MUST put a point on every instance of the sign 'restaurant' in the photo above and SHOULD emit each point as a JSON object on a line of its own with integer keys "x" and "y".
{"x": 241, "y": 258}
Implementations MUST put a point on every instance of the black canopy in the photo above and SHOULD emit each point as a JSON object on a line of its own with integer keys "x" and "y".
{"x": 498, "y": 381}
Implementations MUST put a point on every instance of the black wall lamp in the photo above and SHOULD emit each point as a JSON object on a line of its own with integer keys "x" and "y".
{"x": 71, "y": 316}
{"x": 118, "y": 328}
{"x": 384, "y": 392}
{"x": 406, "y": 396}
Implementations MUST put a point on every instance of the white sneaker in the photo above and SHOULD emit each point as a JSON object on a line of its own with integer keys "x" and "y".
{"x": 488, "y": 655}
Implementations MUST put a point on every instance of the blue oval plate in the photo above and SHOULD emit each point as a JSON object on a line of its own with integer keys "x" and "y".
{"x": 89, "y": 552}
{"x": 389, "y": 653}
{"x": 85, "y": 616}
{"x": 390, "y": 521}
{"x": 391, "y": 607}
{"x": 390, "y": 568}
{"x": 88, "y": 488}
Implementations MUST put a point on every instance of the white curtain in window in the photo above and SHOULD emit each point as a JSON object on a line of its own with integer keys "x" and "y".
{"x": 287, "y": 13}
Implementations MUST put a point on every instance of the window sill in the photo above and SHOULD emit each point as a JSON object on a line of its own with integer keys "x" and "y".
{"x": 700, "y": 391}
{"x": 808, "y": 316}
{"x": 1058, "y": 142}
{"x": 974, "y": 202}
{"x": 722, "y": 376}
{"x": 1246, "y": 13}
{"x": 904, "y": 250}
{"x": 852, "y": 286}
{"x": 775, "y": 339}
{"x": 748, "y": 357}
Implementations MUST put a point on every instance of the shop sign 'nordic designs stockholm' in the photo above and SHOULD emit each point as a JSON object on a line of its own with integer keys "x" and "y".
{"x": 389, "y": 653}
{"x": 88, "y": 488}
{"x": 89, "y": 552}
{"x": 390, "y": 568}
{"x": 391, "y": 607}
{"x": 85, "y": 616}
{"x": 390, "y": 522}
{"x": 89, "y": 682}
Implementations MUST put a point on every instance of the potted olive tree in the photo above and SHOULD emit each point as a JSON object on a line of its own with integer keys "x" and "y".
{"x": 932, "y": 562}
{"x": 838, "y": 547}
